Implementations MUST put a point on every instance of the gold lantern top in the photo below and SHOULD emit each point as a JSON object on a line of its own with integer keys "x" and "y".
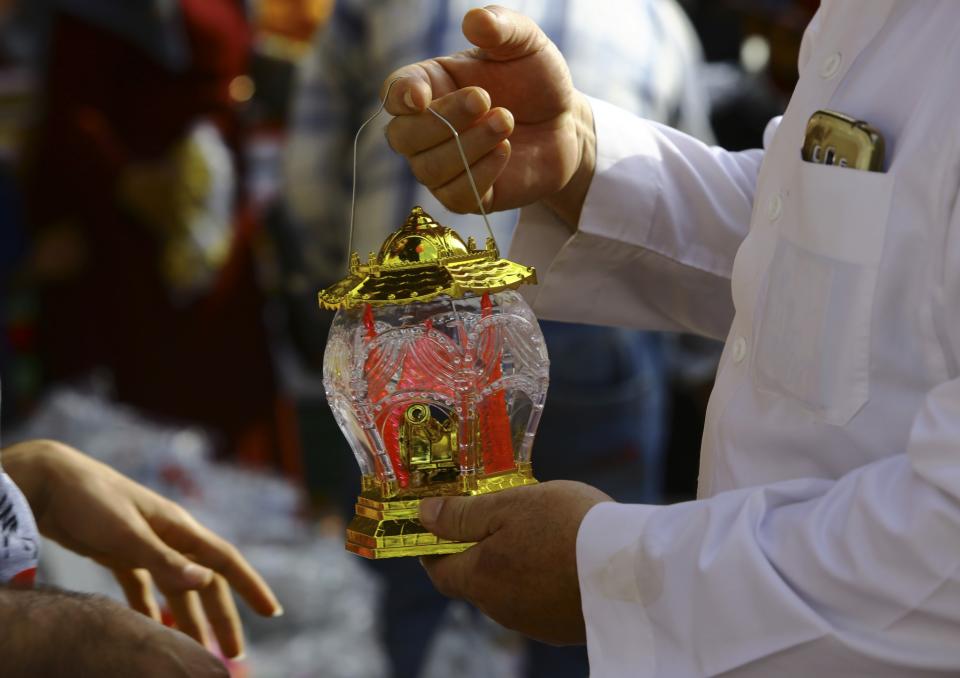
{"x": 422, "y": 260}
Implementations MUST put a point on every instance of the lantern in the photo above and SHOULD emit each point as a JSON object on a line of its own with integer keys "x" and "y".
{"x": 436, "y": 372}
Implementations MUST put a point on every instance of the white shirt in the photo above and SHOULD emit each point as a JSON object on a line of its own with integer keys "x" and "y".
{"x": 827, "y": 535}
{"x": 19, "y": 539}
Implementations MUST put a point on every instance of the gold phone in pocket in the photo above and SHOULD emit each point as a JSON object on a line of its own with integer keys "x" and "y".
{"x": 836, "y": 139}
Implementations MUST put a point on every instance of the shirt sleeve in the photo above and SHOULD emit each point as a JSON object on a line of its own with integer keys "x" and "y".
{"x": 858, "y": 575}
{"x": 657, "y": 237}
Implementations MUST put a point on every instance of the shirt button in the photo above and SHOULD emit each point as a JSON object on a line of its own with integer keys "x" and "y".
{"x": 739, "y": 350}
{"x": 774, "y": 207}
{"x": 831, "y": 65}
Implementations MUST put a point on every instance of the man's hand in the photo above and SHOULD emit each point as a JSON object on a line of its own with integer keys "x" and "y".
{"x": 523, "y": 570}
{"x": 91, "y": 509}
{"x": 514, "y": 85}
{"x": 56, "y": 633}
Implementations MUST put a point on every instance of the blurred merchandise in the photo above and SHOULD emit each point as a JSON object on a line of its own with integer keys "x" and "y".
{"x": 187, "y": 199}
{"x": 17, "y": 98}
{"x": 139, "y": 153}
{"x": 18, "y": 303}
{"x": 285, "y": 28}
{"x": 329, "y": 626}
{"x": 283, "y": 32}
{"x": 470, "y": 645}
{"x": 22, "y": 373}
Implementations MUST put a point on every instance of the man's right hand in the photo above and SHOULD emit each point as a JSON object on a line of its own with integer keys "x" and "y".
{"x": 56, "y": 633}
{"x": 526, "y": 131}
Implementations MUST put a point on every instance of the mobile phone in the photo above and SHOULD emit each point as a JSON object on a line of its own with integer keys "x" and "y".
{"x": 836, "y": 139}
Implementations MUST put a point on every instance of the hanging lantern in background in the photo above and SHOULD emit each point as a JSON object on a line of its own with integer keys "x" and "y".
{"x": 285, "y": 29}
{"x": 436, "y": 371}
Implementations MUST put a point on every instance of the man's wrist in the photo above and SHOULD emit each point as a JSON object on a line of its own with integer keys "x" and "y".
{"x": 568, "y": 202}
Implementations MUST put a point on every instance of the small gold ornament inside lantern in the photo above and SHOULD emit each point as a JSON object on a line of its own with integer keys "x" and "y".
{"x": 436, "y": 371}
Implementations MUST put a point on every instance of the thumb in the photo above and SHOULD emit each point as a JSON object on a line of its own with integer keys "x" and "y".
{"x": 459, "y": 518}
{"x": 172, "y": 571}
{"x": 502, "y": 34}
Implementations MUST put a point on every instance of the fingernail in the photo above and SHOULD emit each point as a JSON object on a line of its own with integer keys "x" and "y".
{"x": 408, "y": 99}
{"x": 197, "y": 575}
{"x": 489, "y": 9}
{"x": 500, "y": 122}
{"x": 277, "y": 611}
{"x": 239, "y": 658}
{"x": 429, "y": 510}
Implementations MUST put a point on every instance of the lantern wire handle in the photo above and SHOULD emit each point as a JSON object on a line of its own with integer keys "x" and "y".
{"x": 466, "y": 166}
{"x": 463, "y": 157}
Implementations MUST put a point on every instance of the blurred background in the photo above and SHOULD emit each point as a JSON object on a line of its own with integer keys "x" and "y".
{"x": 175, "y": 188}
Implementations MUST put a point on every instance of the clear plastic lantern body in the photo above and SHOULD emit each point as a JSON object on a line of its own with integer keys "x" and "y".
{"x": 438, "y": 397}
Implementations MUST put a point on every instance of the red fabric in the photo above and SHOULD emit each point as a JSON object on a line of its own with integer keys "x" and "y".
{"x": 426, "y": 367}
{"x": 496, "y": 443}
{"x": 24, "y": 579}
{"x": 108, "y": 104}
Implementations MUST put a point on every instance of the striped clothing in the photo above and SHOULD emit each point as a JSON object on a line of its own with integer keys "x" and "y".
{"x": 19, "y": 539}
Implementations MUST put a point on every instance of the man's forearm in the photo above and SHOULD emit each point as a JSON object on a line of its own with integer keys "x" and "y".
{"x": 47, "y": 632}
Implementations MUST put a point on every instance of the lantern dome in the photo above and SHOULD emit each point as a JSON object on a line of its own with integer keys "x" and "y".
{"x": 421, "y": 240}
{"x": 420, "y": 261}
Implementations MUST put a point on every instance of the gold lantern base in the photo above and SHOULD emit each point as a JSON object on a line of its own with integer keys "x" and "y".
{"x": 388, "y": 528}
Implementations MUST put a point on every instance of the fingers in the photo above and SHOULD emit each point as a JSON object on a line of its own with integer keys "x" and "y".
{"x": 137, "y": 587}
{"x": 463, "y": 518}
{"x": 435, "y": 157}
{"x": 221, "y": 612}
{"x": 451, "y": 575}
{"x": 458, "y": 196}
{"x": 215, "y": 609}
{"x": 433, "y": 154}
{"x": 441, "y": 164}
{"x": 411, "y": 88}
{"x": 407, "y": 90}
{"x": 226, "y": 560}
{"x": 499, "y": 33}
{"x": 209, "y": 550}
{"x": 503, "y": 34}
{"x": 412, "y": 134}
{"x": 173, "y": 571}
{"x": 188, "y": 615}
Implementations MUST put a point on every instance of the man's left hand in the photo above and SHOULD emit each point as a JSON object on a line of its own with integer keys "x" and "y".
{"x": 523, "y": 570}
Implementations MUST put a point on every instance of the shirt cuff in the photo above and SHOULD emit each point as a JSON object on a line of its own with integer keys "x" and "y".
{"x": 622, "y": 197}
{"x": 616, "y": 586}
{"x": 574, "y": 268}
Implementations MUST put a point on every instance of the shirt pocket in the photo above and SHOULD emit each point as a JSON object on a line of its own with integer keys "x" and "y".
{"x": 813, "y": 342}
